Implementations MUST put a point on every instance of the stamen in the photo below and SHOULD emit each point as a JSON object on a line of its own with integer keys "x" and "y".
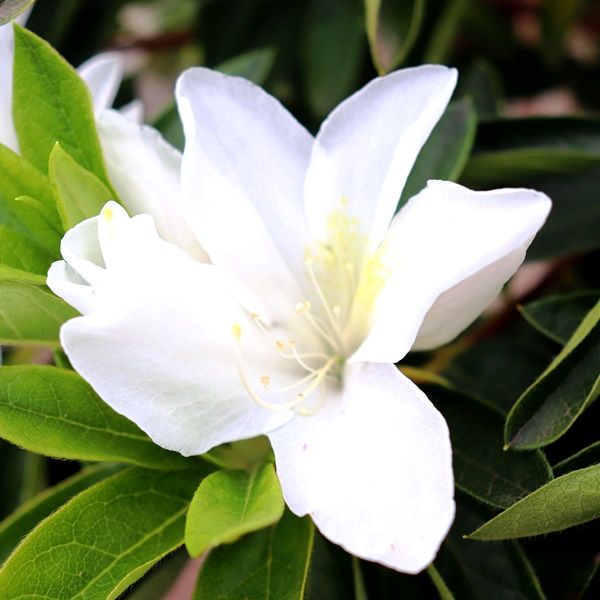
{"x": 301, "y": 307}
{"x": 266, "y": 381}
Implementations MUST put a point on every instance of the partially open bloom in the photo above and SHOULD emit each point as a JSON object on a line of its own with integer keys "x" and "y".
{"x": 313, "y": 291}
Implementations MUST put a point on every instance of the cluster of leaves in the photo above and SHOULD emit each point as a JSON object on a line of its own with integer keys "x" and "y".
{"x": 516, "y": 390}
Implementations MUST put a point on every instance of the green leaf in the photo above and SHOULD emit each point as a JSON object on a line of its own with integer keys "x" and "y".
{"x": 550, "y": 406}
{"x": 34, "y": 220}
{"x": 18, "y": 177}
{"x": 439, "y": 583}
{"x": 21, "y": 259}
{"x": 510, "y": 150}
{"x": 254, "y": 65}
{"x": 51, "y": 103}
{"x": 79, "y": 194}
{"x": 559, "y": 316}
{"x": 481, "y": 468}
{"x": 104, "y": 539}
{"x": 272, "y": 563}
{"x": 569, "y": 500}
{"x": 333, "y": 44}
{"x": 392, "y": 28}
{"x": 10, "y": 9}
{"x": 446, "y": 151}
{"x": 590, "y": 455}
{"x": 500, "y": 570}
{"x": 31, "y": 315}
{"x": 229, "y": 504}
{"x": 482, "y": 84}
{"x": 55, "y": 412}
{"x": 28, "y": 515}
{"x": 442, "y": 38}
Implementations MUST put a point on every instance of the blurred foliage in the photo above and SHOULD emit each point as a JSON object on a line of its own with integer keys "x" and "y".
{"x": 525, "y": 113}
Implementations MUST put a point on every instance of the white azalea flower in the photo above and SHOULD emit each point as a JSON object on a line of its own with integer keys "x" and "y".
{"x": 102, "y": 73}
{"x": 313, "y": 291}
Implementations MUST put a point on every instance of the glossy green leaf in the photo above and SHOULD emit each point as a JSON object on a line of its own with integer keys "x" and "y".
{"x": 18, "y": 177}
{"x": 37, "y": 226}
{"x": 28, "y": 515}
{"x": 392, "y": 28}
{"x": 446, "y": 151}
{"x": 21, "y": 259}
{"x": 550, "y": 406}
{"x": 254, "y": 65}
{"x": 51, "y": 103}
{"x": 333, "y": 45}
{"x": 231, "y": 503}
{"x": 102, "y": 540}
{"x": 569, "y": 500}
{"x": 272, "y": 563}
{"x": 55, "y": 412}
{"x": 559, "y": 316}
{"x": 590, "y": 455}
{"x": 481, "y": 468}
{"x": 79, "y": 194}
{"x": 500, "y": 570}
{"x": 10, "y": 9}
{"x": 31, "y": 315}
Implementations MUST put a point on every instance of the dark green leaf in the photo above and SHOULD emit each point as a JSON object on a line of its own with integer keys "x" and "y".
{"x": 500, "y": 570}
{"x": 231, "y": 503}
{"x": 31, "y": 315}
{"x": 569, "y": 500}
{"x": 481, "y": 83}
{"x": 392, "y": 28}
{"x": 55, "y": 412}
{"x": 481, "y": 468}
{"x": 10, "y": 9}
{"x": 272, "y": 563}
{"x": 79, "y": 194}
{"x": 550, "y": 406}
{"x": 333, "y": 52}
{"x": 27, "y": 516}
{"x": 51, "y": 103}
{"x": 104, "y": 539}
{"x": 442, "y": 38}
{"x": 446, "y": 151}
{"x": 559, "y": 316}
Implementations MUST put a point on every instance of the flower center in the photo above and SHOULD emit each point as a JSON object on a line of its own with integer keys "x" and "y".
{"x": 343, "y": 285}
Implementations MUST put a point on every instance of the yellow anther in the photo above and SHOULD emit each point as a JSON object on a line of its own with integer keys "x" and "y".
{"x": 266, "y": 381}
{"x": 237, "y": 331}
{"x": 291, "y": 343}
{"x": 303, "y": 307}
{"x": 279, "y": 345}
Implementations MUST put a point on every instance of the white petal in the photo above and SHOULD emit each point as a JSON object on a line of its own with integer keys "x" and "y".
{"x": 103, "y": 74}
{"x": 145, "y": 171}
{"x": 65, "y": 282}
{"x": 243, "y": 170}
{"x": 134, "y": 111}
{"x": 451, "y": 250}
{"x": 157, "y": 345}
{"x": 367, "y": 146}
{"x": 373, "y": 469}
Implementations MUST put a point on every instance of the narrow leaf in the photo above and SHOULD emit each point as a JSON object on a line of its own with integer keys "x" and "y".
{"x": 559, "y": 316}
{"x": 31, "y": 315}
{"x": 51, "y": 103}
{"x": 272, "y": 563}
{"x": 590, "y": 455}
{"x": 569, "y": 500}
{"x": 392, "y": 28}
{"x": 55, "y": 412}
{"x": 229, "y": 504}
{"x": 79, "y": 194}
{"x": 11, "y": 9}
{"x": 446, "y": 151}
{"x": 550, "y": 406}
{"x": 28, "y": 515}
{"x": 102, "y": 540}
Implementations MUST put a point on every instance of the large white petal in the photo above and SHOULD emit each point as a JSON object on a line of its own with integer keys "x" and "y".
{"x": 367, "y": 146}
{"x": 373, "y": 468}
{"x": 243, "y": 169}
{"x": 103, "y": 74}
{"x": 145, "y": 171}
{"x": 157, "y": 343}
{"x": 450, "y": 251}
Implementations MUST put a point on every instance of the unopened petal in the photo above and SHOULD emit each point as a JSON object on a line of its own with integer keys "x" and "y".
{"x": 373, "y": 469}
